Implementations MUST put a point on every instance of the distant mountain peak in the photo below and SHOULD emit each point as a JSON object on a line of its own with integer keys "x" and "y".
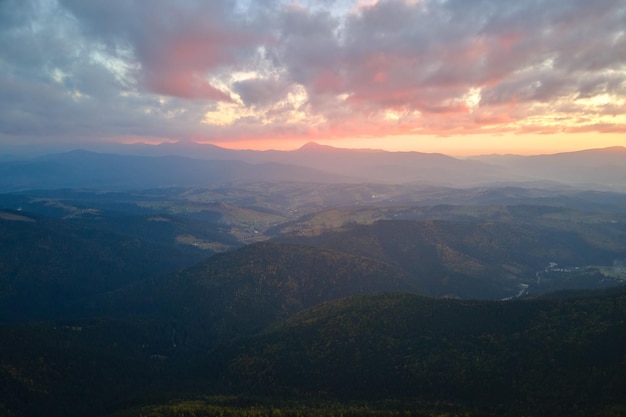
{"x": 614, "y": 149}
{"x": 314, "y": 146}
{"x": 607, "y": 150}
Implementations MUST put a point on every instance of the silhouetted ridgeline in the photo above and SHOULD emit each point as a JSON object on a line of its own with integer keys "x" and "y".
{"x": 599, "y": 169}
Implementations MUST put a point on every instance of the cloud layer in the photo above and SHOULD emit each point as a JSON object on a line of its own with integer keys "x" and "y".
{"x": 227, "y": 71}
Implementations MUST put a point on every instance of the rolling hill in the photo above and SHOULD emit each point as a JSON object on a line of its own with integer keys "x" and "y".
{"x": 83, "y": 169}
{"x": 141, "y": 166}
{"x": 48, "y": 263}
{"x": 475, "y": 258}
{"x": 243, "y": 291}
{"x": 401, "y": 354}
{"x": 537, "y": 357}
{"x": 117, "y": 303}
{"x": 598, "y": 169}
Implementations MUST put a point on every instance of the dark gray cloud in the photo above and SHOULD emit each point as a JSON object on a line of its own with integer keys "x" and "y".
{"x": 259, "y": 92}
{"x": 176, "y": 45}
{"x": 196, "y": 69}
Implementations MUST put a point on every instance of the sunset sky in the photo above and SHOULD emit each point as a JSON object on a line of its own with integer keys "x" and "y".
{"x": 452, "y": 76}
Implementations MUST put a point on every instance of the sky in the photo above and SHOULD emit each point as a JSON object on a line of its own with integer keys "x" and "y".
{"x": 451, "y": 76}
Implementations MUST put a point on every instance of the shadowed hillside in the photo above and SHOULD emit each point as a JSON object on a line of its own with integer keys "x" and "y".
{"x": 241, "y": 292}
{"x": 46, "y": 264}
{"x": 476, "y": 258}
{"x": 544, "y": 357}
{"x": 397, "y": 352}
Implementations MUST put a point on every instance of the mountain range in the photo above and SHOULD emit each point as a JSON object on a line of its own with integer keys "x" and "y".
{"x": 187, "y": 281}
{"x": 141, "y": 166}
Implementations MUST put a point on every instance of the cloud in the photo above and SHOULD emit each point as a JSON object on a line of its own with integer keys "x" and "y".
{"x": 261, "y": 92}
{"x": 224, "y": 69}
{"x": 176, "y": 46}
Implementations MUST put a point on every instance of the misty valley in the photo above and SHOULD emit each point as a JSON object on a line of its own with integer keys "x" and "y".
{"x": 201, "y": 281}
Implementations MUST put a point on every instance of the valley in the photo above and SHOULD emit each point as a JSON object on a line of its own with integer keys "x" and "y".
{"x": 299, "y": 208}
{"x": 251, "y": 295}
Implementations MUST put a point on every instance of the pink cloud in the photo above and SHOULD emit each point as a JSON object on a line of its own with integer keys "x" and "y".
{"x": 490, "y": 119}
{"x": 185, "y": 84}
{"x": 388, "y": 67}
{"x": 179, "y": 65}
{"x": 599, "y": 128}
{"x": 176, "y": 44}
{"x": 327, "y": 82}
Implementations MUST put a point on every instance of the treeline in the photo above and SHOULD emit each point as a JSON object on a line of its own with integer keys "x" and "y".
{"x": 207, "y": 408}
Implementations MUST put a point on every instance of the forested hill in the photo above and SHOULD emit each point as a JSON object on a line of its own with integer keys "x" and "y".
{"x": 542, "y": 357}
{"x": 395, "y": 352}
{"x": 475, "y": 258}
{"x": 241, "y": 292}
{"x": 142, "y": 309}
{"x": 47, "y": 263}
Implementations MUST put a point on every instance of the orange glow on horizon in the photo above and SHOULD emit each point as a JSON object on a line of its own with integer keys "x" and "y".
{"x": 461, "y": 146}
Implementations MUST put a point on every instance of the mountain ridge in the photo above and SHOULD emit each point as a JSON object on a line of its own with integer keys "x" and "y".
{"x": 181, "y": 164}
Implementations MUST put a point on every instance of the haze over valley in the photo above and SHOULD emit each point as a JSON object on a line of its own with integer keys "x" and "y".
{"x": 300, "y": 208}
{"x": 172, "y": 265}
